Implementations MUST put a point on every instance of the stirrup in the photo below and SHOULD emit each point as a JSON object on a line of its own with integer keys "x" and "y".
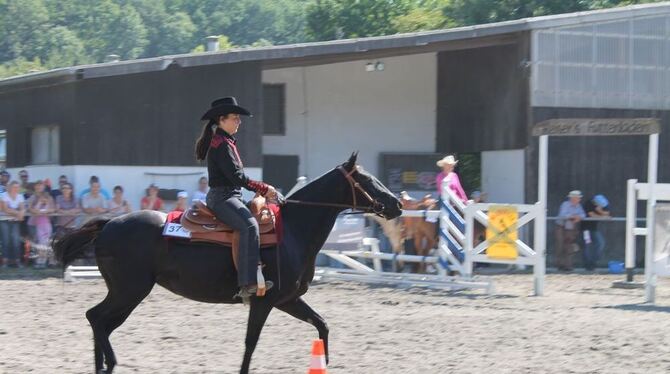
{"x": 247, "y": 292}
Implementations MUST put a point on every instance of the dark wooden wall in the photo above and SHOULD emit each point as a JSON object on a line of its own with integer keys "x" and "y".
{"x": 482, "y": 98}
{"x": 135, "y": 119}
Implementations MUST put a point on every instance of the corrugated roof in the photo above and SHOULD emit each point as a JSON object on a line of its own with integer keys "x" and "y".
{"x": 345, "y": 46}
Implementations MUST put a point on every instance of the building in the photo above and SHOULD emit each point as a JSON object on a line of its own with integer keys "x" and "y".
{"x": 400, "y": 100}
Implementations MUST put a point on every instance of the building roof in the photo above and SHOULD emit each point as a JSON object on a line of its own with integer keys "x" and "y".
{"x": 350, "y": 47}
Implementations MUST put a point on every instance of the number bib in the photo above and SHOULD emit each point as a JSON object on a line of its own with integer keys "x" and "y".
{"x": 176, "y": 230}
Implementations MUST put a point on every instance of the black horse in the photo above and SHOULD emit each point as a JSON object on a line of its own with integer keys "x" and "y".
{"x": 132, "y": 256}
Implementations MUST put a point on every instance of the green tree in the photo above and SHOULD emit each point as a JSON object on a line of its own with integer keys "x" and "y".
{"x": 20, "y": 66}
{"x": 21, "y": 24}
{"x": 331, "y": 19}
{"x": 104, "y": 26}
{"x": 62, "y": 47}
{"x": 246, "y": 21}
{"x": 169, "y": 30}
{"x": 471, "y": 12}
{"x": 426, "y": 15}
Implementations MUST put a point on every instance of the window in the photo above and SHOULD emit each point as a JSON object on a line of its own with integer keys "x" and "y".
{"x": 44, "y": 145}
{"x": 274, "y": 103}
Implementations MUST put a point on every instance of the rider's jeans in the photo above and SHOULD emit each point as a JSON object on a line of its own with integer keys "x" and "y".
{"x": 229, "y": 208}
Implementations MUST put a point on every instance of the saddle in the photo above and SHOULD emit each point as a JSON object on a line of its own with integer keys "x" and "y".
{"x": 205, "y": 227}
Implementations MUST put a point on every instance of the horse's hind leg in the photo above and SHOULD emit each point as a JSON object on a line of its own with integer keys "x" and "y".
{"x": 299, "y": 309}
{"x": 106, "y": 317}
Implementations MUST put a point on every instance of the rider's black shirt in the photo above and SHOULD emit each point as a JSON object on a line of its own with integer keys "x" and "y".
{"x": 224, "y": 165}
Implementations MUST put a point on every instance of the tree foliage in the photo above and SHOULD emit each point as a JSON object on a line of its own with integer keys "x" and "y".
{"x": 46, "y": 34}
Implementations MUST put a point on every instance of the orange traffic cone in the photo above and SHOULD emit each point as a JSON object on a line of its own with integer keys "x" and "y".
{"x": 318, "y": 363}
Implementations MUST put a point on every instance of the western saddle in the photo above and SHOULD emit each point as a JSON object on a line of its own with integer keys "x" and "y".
{"x": 205, "y": 227}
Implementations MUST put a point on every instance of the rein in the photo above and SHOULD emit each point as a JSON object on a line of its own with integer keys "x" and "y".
{"x": 376, "y": 207}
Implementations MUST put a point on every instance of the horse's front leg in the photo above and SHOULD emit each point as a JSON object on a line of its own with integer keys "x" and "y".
{"x": 258, "y": 314}
{"x": 299, "y": 309}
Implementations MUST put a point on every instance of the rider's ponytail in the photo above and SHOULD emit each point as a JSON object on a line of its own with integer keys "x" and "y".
{"x": 202, "y": 144}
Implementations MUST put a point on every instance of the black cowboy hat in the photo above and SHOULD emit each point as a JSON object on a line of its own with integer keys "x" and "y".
{"x": 224, "y": 106}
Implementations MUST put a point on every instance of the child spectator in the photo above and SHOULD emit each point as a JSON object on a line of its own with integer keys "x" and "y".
{"x": 40, "y": 205}
{"x": 152, "y": 201}
{"x": 182, "y": 201}
{"x": 14, "y": 209}
{"x": 119, "y": 205}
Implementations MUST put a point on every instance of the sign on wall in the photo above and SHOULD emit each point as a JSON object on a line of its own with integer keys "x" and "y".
{"x": 597, "y": 126}
{"x": 410, "y": 171}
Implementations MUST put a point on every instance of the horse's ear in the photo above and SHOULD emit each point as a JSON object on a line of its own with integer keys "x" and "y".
{"x": 349, "y": 165}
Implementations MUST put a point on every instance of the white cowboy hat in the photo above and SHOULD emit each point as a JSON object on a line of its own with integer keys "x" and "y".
{"x": 449, "y": 160}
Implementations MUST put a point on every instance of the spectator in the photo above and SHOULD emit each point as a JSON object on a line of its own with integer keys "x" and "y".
{"x": 119, "y": 205}
{"x": 26, "y": 187}
{"x": 152, "y": 201}
{"x": 201, "y": 192}
{"x": 14, "y": 211}
{"x": 67, "y": 207}
{"x": 182, "y": 201}
{"x": 57, "y": 192}
{"x": 594, "y": 242}
{"x": 40, "y": 205}
{"x": 4, "y": 179}
{"x": 447, "y": 164}
{"x": 569, "y": 215}
{"x": 95, "y": 179}
{"x": 94, "y": 202}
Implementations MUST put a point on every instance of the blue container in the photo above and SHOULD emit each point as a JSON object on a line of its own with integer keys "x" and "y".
{"x": 616, "y": 267}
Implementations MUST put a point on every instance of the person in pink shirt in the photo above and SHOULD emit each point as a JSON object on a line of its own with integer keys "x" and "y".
{"x": 447, "y": 164}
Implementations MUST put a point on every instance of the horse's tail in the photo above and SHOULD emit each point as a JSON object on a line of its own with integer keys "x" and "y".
{"x": 72, "y": 246}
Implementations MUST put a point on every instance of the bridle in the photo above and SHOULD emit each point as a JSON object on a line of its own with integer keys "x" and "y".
{"x": 376, "y": 206}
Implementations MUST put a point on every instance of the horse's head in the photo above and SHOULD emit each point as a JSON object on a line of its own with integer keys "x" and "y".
{"x": 369, "y": 193}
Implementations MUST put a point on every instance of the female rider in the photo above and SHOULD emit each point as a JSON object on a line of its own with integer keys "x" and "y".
{"x": 217, "y": 145}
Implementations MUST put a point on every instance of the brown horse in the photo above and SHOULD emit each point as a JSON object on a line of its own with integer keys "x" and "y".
{"x": 422, "y": 232}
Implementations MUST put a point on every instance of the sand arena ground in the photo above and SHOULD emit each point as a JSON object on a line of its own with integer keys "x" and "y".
{"x": 580, "y": 326}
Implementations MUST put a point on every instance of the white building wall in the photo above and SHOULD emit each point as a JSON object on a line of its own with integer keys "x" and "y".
{"x": 620, "y": 64}
{"x": 334, "y": 109}
{"x": 133, "y": 179}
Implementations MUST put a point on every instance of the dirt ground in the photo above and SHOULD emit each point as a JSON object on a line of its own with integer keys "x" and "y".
{"x": 580, "y": 326}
